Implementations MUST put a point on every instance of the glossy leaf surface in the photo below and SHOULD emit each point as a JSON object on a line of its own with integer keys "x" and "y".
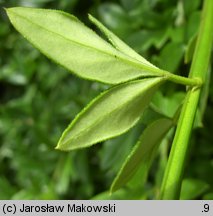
{"x": 67, "y": 41}
{"x": 142, "y": 154}
{"x": 110, "y": 114}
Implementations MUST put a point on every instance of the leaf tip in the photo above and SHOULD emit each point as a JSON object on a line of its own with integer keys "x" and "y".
{"x": 10, "y": 11}
{"x": 90, "y": 16}
{"x": 57, "y": 147}
{"x": 7, "y": 10}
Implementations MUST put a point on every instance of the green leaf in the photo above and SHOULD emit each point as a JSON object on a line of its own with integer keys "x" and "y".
{"x": 67, "y": 41}
{"x": 115, "y": 17}
{"x": 142, "y": 39}
{"x": 111, "y": 155}
{"x": 191, "y": 6}
{"x": 130, "y": 5}
{"x": 122, "y": 194}
{"x": 208, "y": 196}
{"x": 110, "y": 114}
{"x": 170, "y": 56}
{"x": 63, "y": 173}
{"x": 193, "y": 188}
{"x": 168, "y": 104}
{"x": 192, "y": 25}
{"x": 142, "y": 154}
{"x": 118, "y": 43}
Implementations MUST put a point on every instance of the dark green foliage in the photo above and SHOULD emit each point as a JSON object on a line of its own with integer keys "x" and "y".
{"x": 38, "y": 99}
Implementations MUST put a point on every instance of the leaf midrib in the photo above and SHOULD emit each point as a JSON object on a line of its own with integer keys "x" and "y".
{"x": 103, "y": 116}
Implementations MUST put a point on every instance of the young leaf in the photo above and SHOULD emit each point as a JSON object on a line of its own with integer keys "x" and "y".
{"x": 142, "y": 154}
{"x": 110, "y": 114}
{"x": 67, "y": 41}
{"x": 118, "y": 43}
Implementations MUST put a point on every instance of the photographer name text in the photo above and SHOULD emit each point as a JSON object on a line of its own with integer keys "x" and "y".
{"x": 82, "y": 208}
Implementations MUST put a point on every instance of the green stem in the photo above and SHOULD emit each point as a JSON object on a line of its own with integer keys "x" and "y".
{"x": 193, "y": 82}
{"x": 174, "y": 171}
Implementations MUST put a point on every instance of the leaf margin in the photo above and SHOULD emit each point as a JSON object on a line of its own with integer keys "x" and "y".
{"x": 118, "y": 182}
{"x": 158, "y": 81}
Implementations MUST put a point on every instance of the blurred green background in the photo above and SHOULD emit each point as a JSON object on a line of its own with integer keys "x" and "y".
{"x": 38, "y": 99}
